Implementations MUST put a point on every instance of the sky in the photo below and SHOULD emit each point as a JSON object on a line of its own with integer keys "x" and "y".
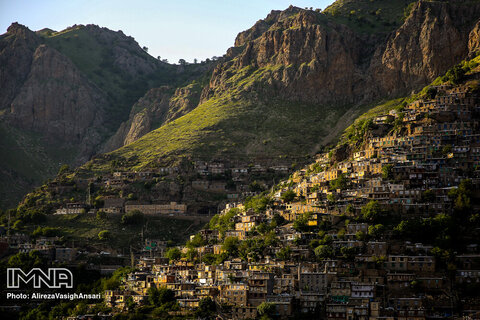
{"x": 173, "y": 30}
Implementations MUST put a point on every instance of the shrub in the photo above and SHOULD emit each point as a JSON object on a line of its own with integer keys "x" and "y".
{"x": 132, "y": 217}
{"x": 104, "y": 235}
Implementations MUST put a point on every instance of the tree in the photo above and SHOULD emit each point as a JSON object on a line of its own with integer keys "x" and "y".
{"x": 331, "y": 198}
{"x": 350, "y": 210}
{"x": 288, "y": 196}
{"x": 339, "y": 183}
{"x": 455, "y": 75}
{"x": 196, "y": 241}
{"x": 98, "y": 202}
{"x": 129, "y": 303}
{"x": 266, "y": 309}
{"x": 446, "y": 149}
{"x": 284, "y": 253}
{"x": 262, "y": 228}
{"x": 104, "y": 235}
{"x": 278, "y": 220}
{"x": 301, "y": 224}
{"x": 361, "y": 236}
{"x": 431, "y": 93}
{"x": 160, "y": 296}
{"x": 63, "y": 169}
{"x": 191, "y": 254}
{"x": 145, "y": 49}
{"x": 376, "y": 231}
{"x": 101, "y": 215}
{"x": 206, "y": 309}
{"x": 387, "y": 172}
{"x": 132, "y": 217}
{"x": 18, "y": 225}
{"x": 348, "y": 252}
{"x": 371, "y": 211}
{"x": 462, "y": 196}
{"x": 195, "y": 60}
{"x": 182, "y": 62}
{"x": 26, "y": 261}
{"x": 230, "y": 245}
{"x": 47, "y": 232}
{"x": 323, "y": 252}
{"x": 255, "y": 187}
{"x": 428, "y": 196}
{"x": 258, "y": 204}
{"x": 173, "y": 254}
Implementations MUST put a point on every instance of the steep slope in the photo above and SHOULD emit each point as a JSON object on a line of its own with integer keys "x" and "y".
{"x": 433, "y": 38}
{"x": 279, "y": 92}
{"x": 76, "y": 118}
{"x": 289, "y": 78}
{"x": 156, "y": 108}
{"x": 72, "y": 89}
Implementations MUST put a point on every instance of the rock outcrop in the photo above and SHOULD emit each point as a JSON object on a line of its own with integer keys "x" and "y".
{"x": 57, "y": 100}
{"x": 158, "y": 107}
{"x": 433, "y": 38}
{"x": 311, "y": 57}
{"x": 16, "y": 55}
{"x": 474, "y": 40}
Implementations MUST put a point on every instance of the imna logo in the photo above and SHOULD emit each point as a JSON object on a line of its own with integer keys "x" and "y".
{"x": 54, "y": 278}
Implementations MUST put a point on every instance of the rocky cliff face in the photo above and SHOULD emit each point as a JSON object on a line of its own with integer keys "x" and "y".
{"x": 303, "y": 56}
{"x": 59, "y": 101}
{"x": 150, "y": 108}
{"x": 311, "y": 57}
{"x": 16, "y": 55}
{"x": 474, "y": 40}
{"x": 125, "y": 52}
{"x": 307, "y": 57}
{"x": 433, "y": 38}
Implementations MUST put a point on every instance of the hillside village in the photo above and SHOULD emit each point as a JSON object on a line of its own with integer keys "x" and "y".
{"x": 389, "y": 232}
{"x": 233, "y": 188}
{"x": 384, "y": 226}
{"x": 158, "y": 190}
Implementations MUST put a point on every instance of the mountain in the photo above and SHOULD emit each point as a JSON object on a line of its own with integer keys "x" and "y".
{"x": 298, "y": 77}
{"x": 288, "y": 87}
{"x": 64, "y": 94}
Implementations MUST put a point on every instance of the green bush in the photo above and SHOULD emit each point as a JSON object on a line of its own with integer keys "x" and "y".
{"x": 104, "y": 235}
{"x": 133, "y": 217}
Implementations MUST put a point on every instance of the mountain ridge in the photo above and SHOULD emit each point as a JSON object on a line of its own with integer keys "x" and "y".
{"x": 291, "y": 71}
{"x": 271, "y": 60}
{"x": 72, "y": 89}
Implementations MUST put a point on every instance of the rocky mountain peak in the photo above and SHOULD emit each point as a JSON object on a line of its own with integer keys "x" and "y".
{"x": 18, "y": 29}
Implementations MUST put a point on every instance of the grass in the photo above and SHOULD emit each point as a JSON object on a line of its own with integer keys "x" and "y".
{"x": 369, "y": 16}
{"x": 234, "y": 126}
{"x": 84, "y": 229}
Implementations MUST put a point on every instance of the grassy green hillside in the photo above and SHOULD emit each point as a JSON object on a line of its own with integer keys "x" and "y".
{"x": 84, "y": 229}
{"x": 233, "y": 126}
{"x": 370, "y": 16}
